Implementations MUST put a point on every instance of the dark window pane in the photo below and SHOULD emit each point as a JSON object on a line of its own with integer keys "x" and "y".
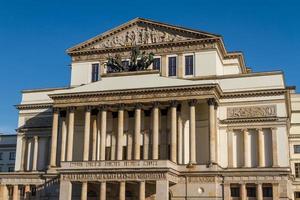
{"x": 156, "y": 64}
{"x": 296, "y": 148}
{"x": 189, "y": 65}
{"x": 251, "y": 192}
{"x": 125, "y": 63}
{"x": 297, "y": 170}
{"x": 95, "y": 72}
{"x": 172, "y": 66}
{"x": 235, "y": 191}
{"x": 12, "y": 155}
{"x": 267, "y": 191}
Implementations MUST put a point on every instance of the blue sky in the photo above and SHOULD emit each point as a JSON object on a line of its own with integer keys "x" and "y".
{"x": 35, "y": 34}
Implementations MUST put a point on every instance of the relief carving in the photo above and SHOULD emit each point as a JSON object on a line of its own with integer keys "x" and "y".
{"x": 251, "y": 112}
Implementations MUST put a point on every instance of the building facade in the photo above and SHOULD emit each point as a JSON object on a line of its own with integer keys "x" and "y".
{"x": 195, "y": 124}
{"x": 7, "y": 152}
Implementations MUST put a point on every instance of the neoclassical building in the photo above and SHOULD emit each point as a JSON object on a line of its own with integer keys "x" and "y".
{"x": 155, "y": 111}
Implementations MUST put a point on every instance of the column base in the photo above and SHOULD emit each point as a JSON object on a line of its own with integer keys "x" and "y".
{"x": 191, "y": 165}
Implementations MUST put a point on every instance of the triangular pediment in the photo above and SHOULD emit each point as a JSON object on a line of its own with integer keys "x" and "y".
{"x": 141, "y": 32}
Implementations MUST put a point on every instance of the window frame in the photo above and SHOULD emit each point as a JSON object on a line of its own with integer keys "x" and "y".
{"x": 297, "y": 170}
{"x": 295, "y": 147}
{"x": 1, "y": 155}
{"x": 176, "y": 65}
{"x": 10, "y": 155}
{"x": 157, "y": 57}
{"x": 95, "y": 74}
{"x": 193, "y": 64}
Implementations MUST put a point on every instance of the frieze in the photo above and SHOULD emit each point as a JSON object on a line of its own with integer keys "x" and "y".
{"x": 113, "y": 176}
{"x": 201, "y": 179}
{"x": 136, "y": 96}
{"x": 251, "y": 112}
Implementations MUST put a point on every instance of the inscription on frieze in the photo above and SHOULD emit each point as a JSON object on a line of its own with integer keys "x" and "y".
{"x": 114, "y": 176}
{"x": 117, "y": 164}
{"x": 251, "y": 112}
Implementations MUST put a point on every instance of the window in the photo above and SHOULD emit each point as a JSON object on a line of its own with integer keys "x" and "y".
{"x": 189, "y": 65}
{"x": 1, "y": 155}
{"x": 107, "y": 153}
{"x": 156, "y": 64}
{"x": 12, "y": 155}
{"x": 297, "y": 170}
{"x": 95, "y": 72}
{"x": 296, "y": 148}
{"x": 235, "y": 191}
{"x": 251, "y": 192}
{"x": 11, "y": 169}
{"x": 297, "y": 194}
{"x": 172, "y": 66}
{"x": 267, "y": 191}
{"x": 0, "y": 169}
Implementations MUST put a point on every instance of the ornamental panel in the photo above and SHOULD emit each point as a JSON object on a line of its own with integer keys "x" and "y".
{"x": 251, "y": 112}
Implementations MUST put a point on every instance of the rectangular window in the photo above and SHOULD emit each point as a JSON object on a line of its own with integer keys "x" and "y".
{"x": 296, "y": 148}
{"x": 1, "y": 155}
{"x": 267, "y": 191}
{"x": 189, "y": 65}
{"x": 172, "y": 66}
{"x": 107, "y": 153}
{"x": 251, "y": 192}
{"x": 95, "y": 72}
{"x": 235, "y": 191}
{"x": 11, "y": 169}
{"x": 156, "y": 64}
{"x": 297, "y": 170}
{"x": 12, "y": 155}
{"x": 297, "y": 194}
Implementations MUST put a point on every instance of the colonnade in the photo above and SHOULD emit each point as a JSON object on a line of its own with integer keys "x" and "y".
{"x": 162, "y": 190}
{"x": 273, "y": 192}
{"x": 17, "y": 192}
{"x": 261, "y": 153}
{"x": 99, "y": 122}
{"x": 24, "y": 152}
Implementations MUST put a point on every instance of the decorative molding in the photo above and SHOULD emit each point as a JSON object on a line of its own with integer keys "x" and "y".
{"x": 34, "y": 106}
{"x": 251, "y": 112}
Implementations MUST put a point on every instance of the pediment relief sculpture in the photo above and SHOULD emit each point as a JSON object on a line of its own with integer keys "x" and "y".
{"x": 139, "y": 35}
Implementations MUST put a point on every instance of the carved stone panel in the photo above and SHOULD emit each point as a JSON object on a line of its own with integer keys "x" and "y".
{"x": 251, "y": 112}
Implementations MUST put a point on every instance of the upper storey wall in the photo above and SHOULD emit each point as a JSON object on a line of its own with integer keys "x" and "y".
{"x": 205, "y": 63}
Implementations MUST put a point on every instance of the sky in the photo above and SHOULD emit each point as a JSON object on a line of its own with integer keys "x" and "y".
{"x": 34, "y": 36}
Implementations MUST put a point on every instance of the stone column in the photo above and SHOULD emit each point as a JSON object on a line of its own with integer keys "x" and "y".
{"x": 243, "y": 191}
{"x": 65, "y": 190}
{"x": 54, "y": 137}
{"x": 103, "y": 133}
{"x": 16, "y": 195}
{"x": 142, "y": 190}
{"x": 246, "y": 148}
{"x": 120, "y": 133}
{"x": 259, "y": 191}
{"x": 230, "y": 147}
{"x": 4, "y": 194}
{"x": 35, "y": 153}
{"x": 86, "y": 142}
{"x": 227, "y": 195}
{"x": 94, "y": 139}
{"x": 27, "y": 192}
{"x": 174, "y": 131}
{"x": 164, "y": 66}
{"x": 274, "y": 147}
{"x": 84, "y": 188}
{"x": 162, "y": 190}
{"x": 23, "y": 153}
{"x": 179, "y": 139}
{"x": 102, "y": 191}
{"x": 70, "y": 134}
{"x": 137, "y": 133}
{"x": 122, "y": 190}
{"x": 261, "y": 148}
{"x": 155, "y": 131}
{"x": 212, "y": 130}
{"x": 275, "y": 188}
{"x": 63, "y": 139}
{"x": 192, "y": 105}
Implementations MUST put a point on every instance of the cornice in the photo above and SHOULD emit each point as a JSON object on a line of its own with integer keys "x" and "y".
{"x": 33, "y": 106}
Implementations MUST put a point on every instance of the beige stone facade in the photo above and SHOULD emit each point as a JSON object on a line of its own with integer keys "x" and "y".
{"x": 205, "y": 127}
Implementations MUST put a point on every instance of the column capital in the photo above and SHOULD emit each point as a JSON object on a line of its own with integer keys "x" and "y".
{"x": 138, "y": 106}
{"x": 121, "y": 106}
{"x": 71, "y": 108}
{"x": 103, "y": 107}
{"x": 245, "y": 130}
{"x": 88, "y": 108}
{"x": 273, "y": 129}
{"x": 174, "y": 103}
{"x": 55, "y": 110}
{"x": 36, "y": 137}
{"x": 155, "y": 104}
{"x": 193, "y": 102}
